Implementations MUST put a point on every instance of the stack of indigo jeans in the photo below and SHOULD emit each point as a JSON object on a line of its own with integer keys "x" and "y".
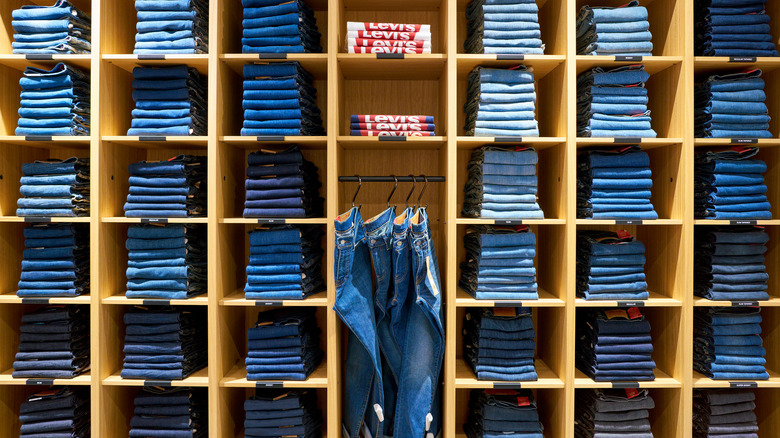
{"x": 53, "y": 343}
{"x": 507, "y": 27}
{"x": 172, "y": 188}
{"x": 280, "y": 99}
{"x": 163, "y": 343}
{"x": 58, "y": 29}
{"x": 168, "y": 101}
{"x": 498, "y": 343}
{"x": 285, "y": 263}
{"x": 733, "y": 28}
{"x": 610, "y": 266}
{"x": 58, "y": 411}
{"x": 614, "y": 345}
{"x": 178, "y": 27}
{"x": 724, "y": 413}
{"x": 499, "y": 263}
{"x": 606, "y": 31}
{"x": 729, "y": 263}
{"x": 727, "y": 343}
{"x": 730, "y": 185}
{"x": 176, "y": 412}
{"x": 283, "y": 412}
{"x": 613, "y": 103}
{"x": 614, "y": 184}
{"x": 502, "y": 183}
{"x": 284, "y": 344}
{"x": 54, "y": 188}
{"x": 613, "y": 413}
{"x": 279, "y": 26}
{"x": 55, "y": 261}
{"x": 166, "y": 261}
{"x": 396, "y": 334}
{"x": 501, "y": 102}
{"x": 732, "y": 106}
{"x": 282, "y": 184}
{"x": 503, "y": 412}
{"x": 54, "y": 102}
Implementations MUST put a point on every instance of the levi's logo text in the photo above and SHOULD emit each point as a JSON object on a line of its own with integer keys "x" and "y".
{"x": 392, "y": 119}
{"x": 397, "y": 27}
{"x": 386, "y": 35}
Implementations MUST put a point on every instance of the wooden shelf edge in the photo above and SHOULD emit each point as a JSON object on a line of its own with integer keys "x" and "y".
{"x": 236, "y": 378}
{"x": 655, "y": 300}
{"x": 465, "y": 378}
{"x": 662, "y": 380}
{"x": 237, "y": 299}
{"x": 198, "y": 379}
{"x": 121, "y": 300}
{"x": 11, "y": 298}
{"x": 546, "y": 299}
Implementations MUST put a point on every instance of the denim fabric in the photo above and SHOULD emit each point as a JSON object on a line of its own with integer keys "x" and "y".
{"x": 736, "y": 332}
{"x": 730, "y": 173}
{"x": 737, "y": 94}
{"x": 180, "y": 175}
{"x": 169, "y": 412}
{"x": 718, "y": 412}
{"x": 482, "y": 327}
{"x": 274, "y": 412}
{"x": 612, "y": 412}
{"x": 60, "y": 267}
{"x": 503, "y": 90}
{"x": 44, "y": 108}
{"x": 499, "y": 412}
{"x": 54, "y": 412}
{"x": 55, "y": 188}
{"x": 58, "y": 29}
{"x": 609, "y": 285}
{"x": 180, "y": 28}
{"x": 519, "y": 18}
{"x": 745, "y": 22}
{"x": 280, "y": 27}
{"x": 619, "y": 30}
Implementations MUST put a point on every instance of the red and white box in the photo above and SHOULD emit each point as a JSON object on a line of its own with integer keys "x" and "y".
{"x": 390, "y": 118}
{"x": 367, "y": 133}
{"x": 406, "y": 50}
{"x": 392, "y": 27}
{"x": 389, "y": 35}
{"x": 364, "y": 42}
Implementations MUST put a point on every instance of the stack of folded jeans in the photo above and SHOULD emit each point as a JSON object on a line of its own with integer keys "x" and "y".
{"x": 502, "y": 183}
{"x": 55, "y": 261}
{"x": 164, "y": 343}
{"x": 172, "y": 27}
{"x": 724, "y": 413}
{"x": 170, "y": 188}
{"x": 507, "y": 27}
{"x": 282, "y": 184}
{"x": 58, "y": 29}
{"x": 283, "y": 412}
{"x": 279, "y": 26}
{"x": 613, "y": 413}
{"x": 498, "y": 343}
{"x": 501, "y": 102}
{"x": 729, "y": 263}
{"x": 606, "y": 31}
{"x": 732, "y": 106}
{"x": 614, "y": 184}
{"x": 610, "y": 266}
{"x": 59, "y": 411}
{"x": 378, "y": 125}
{"x": 284, "y": 344}
{"x": 166, "y": 261}
{"x": 730, "y": 185}
{"x": 53, "y": 343}
{"x": 54, "y": 102}
{"x": 388, "y": 38}
{"x": 613, "y": 103}
{"x": 168, "y": 101}
{"x": 170, "y": 412}
{"x": 499, "y": 263}
{"x": 503, "y": 412}
{"x": 280, "y": 99}
{"x": 733, "y": 28}
{"x": 614, "y": 345}
{"x": 54, "y": 188}
{"x": 727, "y": 343}
{"x": 285, "y": 263}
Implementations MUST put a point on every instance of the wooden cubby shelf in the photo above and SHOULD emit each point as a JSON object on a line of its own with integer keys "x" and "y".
{"x": 236, "y": 378}
{"x": 465, "y": 378}
{"x": 464, "y": 299}
{"x": 702, "y": 381}
{"x": 11, "y": 298}
{"x": 655, "y": 300}
{"x": 237, "y": 299}
{"x": 197, "y": 379}
{"x": 82, "y": 380}
{"x": 121, "y": 300}
{"x": 662, "y": 380}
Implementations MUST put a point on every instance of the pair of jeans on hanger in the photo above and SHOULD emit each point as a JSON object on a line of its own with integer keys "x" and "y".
{"x": 732, "y": 105}
{"x": 178, "y": 412}
{"x": 57, "y": 29}
{"x": 283, "y": 412}
{"x": 55, "y": 261}
{"x": 395, "y": 345}
{"x": 724, "y": 412}
{"x": 278, "y": 26}
{"x": 54, "y": 102}
{"x": 501, "y": 102}
{"x": 507, "y": 413}
{"x": 172, "y": 188}
{"x": 613, "y": 412}
{"x": 730, "y": 185}
{"x": 729, "y": 28}
{"x": 54, "y": 188}
{"x": 610, "y": 31}
{"x": 498, "y": 344}
{"x": 495, "y": 26}
{"x": 730, "y": 263}
{"x": 169, "y": 101}
{"x": 610, "y": 266}
{"x": 176, "y": 27}
{"x": 57, "y": 412}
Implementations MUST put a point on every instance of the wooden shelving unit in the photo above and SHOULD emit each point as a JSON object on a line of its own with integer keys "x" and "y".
{"x": 348, "y": 84}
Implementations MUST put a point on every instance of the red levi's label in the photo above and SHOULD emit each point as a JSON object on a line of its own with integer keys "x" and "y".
{"x": 623, "y": 234}
{"x": 386, "y": 118}
{"x": 364, "y": 42}
{"x": 395, "y": 126}
{"x": 738, "y": 148}
{"x": 523, "y": 401}
{"x": 395, "y": 27}
{"x": 634, "y": 312}
{"x": 388, "y": 35}
{"x": 367, "y": 133}
{"x": 631, "y": 392}
{"x": 521, "y": 148}
{"x": 408, "y": 50}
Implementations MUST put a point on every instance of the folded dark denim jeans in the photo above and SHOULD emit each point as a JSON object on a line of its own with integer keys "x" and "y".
{"x": 608, "y": 286}
{"x": 495, "y": 412}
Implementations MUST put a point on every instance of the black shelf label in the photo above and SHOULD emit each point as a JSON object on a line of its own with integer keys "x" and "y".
{"x": 389, "y": 56}
{"x": 40, "y": 381}
{"x": 743, "y": 385}
{"x": 624, "y": 385}
{"x": 154, "y": 220}
{"x": 744, "y": 140}
{"x": 43, "y": 301}
{"x": 270, "y": 138}
{"x": 272, "y": 55}
{"x": 744, "y": 304}
{"x": 742, "y": 59}
{"x": 37, "y": 138}
{"x": 508, "y": 222}
{"x": 389, "y": 138}
{"x": 151, "y": 57}
{"x": 43, "y": 220}
{"x": 163, "y": 383}
{"x": 508, "y": 139}
{"x": 631, "y": 58}
{"x": 507, "y": 303}
{"x": 152, "y": 138}
{"x": 627, "y": 140}
{"x": 743, "y": 222}
{"x": 269, "y": 221}
{"x": 264, "y": 384}
{"x": 266, "y": 303}
{"x": 631, "y": 304}
{"x": 39, "y": 57}
{"x": 629, "y": 222}
{"x": 507, "y": 385}
{"x": 156, "y": 302}
{"x": 509, "y": 57}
